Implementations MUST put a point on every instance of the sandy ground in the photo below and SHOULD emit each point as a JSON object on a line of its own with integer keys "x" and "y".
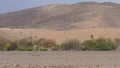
{"x": 60, "y": 36}
{"x": 60, "y": 59}
{"x": 87, "y": 59}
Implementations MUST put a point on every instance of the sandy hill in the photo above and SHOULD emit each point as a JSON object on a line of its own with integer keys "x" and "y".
{"x": 58, "y": 16}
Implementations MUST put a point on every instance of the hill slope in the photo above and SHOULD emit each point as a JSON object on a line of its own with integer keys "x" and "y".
{"x": 80, "y": 15}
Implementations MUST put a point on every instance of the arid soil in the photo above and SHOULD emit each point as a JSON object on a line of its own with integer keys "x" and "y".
{"x": 60, "y": 59}
{"x": 60, "y": 36}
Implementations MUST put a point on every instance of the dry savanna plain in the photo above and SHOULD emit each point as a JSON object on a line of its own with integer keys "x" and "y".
{"x": 60, "y": 59}
{"x": 61, "y": 22}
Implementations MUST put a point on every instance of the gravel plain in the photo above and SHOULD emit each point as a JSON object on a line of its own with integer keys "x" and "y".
{"x": 60, "y": 59}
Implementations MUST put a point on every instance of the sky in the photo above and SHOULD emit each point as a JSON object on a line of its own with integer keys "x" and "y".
{"x": 16, "y": 5}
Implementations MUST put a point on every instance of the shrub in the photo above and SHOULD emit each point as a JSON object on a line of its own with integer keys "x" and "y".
{"x": 20, "y": 48}
{"x": 45, "y": 43}
{"x": 44, "y": 49}
{"x": 100, "y": 44}
{"x": 11, "y": 46}
{"x": 26, "y": 42}
{"x": 89, "y": 45}
{"x": 71, "y": 45}
{"x": 19, "y": 45}
{"x": 28, "y": 49}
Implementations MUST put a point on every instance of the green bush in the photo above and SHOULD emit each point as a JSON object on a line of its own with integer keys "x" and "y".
{"x": 11, "y": 46}
{"x": 29, "y": 48}
{"x": 44, "y": 49}
{"x": 19, "y": 45}
{"x": 26, "y": 42}
{"x": 20, "y": 48}
{"x": 100, "y": 44}
{"x": 71, "y": 45}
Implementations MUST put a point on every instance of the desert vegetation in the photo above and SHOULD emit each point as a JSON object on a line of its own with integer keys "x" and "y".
{"x": 99, "y": 44}
{"x": 16, "y": 45}
{"x": 40, "y": 31}
{"x": 72, "y": 44}
{"x": 42, "y": 44}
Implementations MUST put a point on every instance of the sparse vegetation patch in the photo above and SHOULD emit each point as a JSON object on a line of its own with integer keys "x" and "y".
{"x": 27, "y": 44}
